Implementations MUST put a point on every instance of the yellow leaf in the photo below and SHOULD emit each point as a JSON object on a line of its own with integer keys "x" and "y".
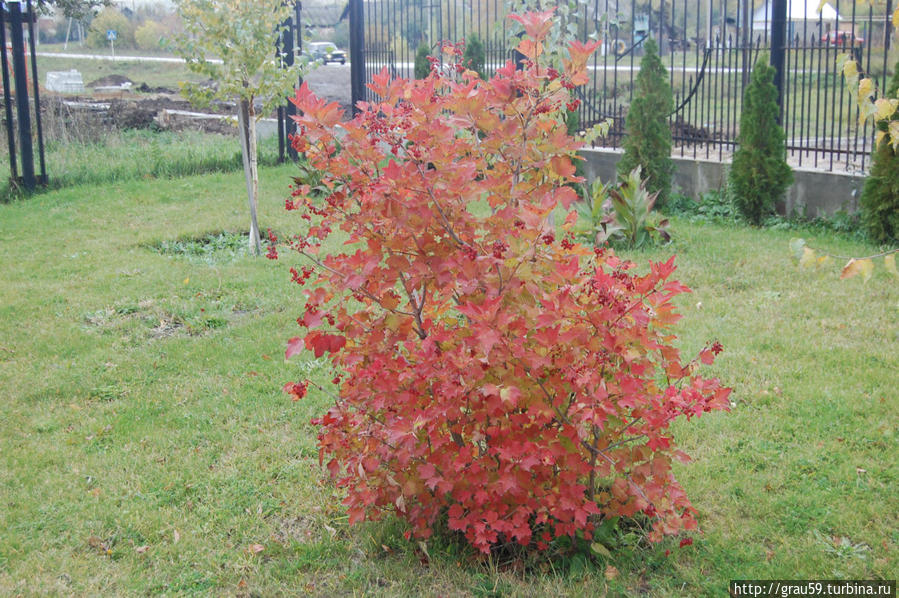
{"x": 889, "y": 262}
{"x": 821, "y": 4}
{"x": 896, "y": 18}
{"x": 878, "y": 137}
{"x": 823, "y": 261}
{"x": 808, "y": 258}
{"x": 867, "y": 268}
{"x": 187, "y": 280}
{"x": 850, "y": 269}
{"x": 885, "y": 108}
{"x": 865, "y": 88}
{"x": 850, "y": 68}
{"x": 865, "y": 109}
{"x": 894, "y": 134}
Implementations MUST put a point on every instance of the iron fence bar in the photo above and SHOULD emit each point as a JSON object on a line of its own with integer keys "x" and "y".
{"x": 817, "y": 98}
{"x": 357, "y": 49}
{"x": 833, "y": 103}
{"x": 778, "y": 38}
{"x": 32, "y": 17}
{"x": 802, "y": 87}
{"x": 7, "y": 99}
{"x": 296, "y": 37}
{"x": 23, "y": 110}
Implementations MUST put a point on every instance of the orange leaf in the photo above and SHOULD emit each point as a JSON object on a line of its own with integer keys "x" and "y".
{"x": 536, "y": 24}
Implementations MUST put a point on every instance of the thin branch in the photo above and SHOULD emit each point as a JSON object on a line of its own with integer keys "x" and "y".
{"x": 849, "y": 257}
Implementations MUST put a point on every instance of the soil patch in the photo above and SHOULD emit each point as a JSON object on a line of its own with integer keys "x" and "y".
{"x": 110, "y": 81}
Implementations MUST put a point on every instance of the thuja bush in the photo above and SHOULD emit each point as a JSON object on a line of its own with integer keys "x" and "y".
{"x": 647, "y": 142}
{"x": 474, "y": 58}
{"x": 880, "y": 195}
{"x": 759, "y": 175}
{"x": 488, "y": 369}
{"x": 422, "y": 62}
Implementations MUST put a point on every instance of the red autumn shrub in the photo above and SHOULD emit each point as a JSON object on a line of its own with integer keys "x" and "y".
{"x": 517, "y": 382}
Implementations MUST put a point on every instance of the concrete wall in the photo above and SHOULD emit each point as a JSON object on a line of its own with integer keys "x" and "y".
{"x": 813, "y": 192}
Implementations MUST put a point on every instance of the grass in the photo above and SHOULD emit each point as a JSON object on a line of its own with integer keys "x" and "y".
{"x": 112, "y": 156}
{"x": 154, "y": 74}
{"x": 146, "y": 447}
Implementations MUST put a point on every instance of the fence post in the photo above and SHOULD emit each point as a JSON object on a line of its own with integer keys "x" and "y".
{"x": 7, "y": 100}
{"x": 778, "y": 45}
{"x": 746, "y": 24}
{"x": 32, "y": 39}
{"x": 294, "y": 41}
{"x": 357, "y": 49}
{"x": 23, "y": 110}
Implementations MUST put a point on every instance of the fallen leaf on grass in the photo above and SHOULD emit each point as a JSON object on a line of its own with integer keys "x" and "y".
{"x": 255, "y": 548}
{"x": 611, "y": 572}
{"x": 177, "y": 536}
{"x": 142, "y": 549}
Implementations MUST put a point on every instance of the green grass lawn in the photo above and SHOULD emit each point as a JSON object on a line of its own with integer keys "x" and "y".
{"x": 146, "y": 446}
{"x": 154, "y": 74}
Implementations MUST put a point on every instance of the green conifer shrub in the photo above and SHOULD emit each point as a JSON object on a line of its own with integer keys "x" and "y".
{"x": 880, "y": 195}
{"x": 759, "y": 175}
{"x": 647, "y": 142}
{"x": 474, "y": 58}
{"x": 422, "y": 64}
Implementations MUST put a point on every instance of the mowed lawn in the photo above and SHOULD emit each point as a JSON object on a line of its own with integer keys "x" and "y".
{"x": 146, "y": 447}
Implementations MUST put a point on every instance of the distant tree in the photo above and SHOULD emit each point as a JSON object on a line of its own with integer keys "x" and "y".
{"x": 422, "y": 64}
{"x": 242, "y": 34}
{"x": 647, "y": 142}
{"x": 110, "y": 18}
{"x": 880, "y": 195}
{"x": 759, "y": 175}
{"x": 78, "y": 10}
{"x": 149, "y": 36}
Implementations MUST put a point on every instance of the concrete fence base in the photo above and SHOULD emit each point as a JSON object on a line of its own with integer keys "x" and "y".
{"x": 813, "y": 193}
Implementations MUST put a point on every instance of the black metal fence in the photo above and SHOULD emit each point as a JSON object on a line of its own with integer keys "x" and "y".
{"x": 708, "y": 46}
{"x": 18, "y": 110}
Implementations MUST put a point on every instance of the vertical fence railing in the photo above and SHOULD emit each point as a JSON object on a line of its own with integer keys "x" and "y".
{"x": 23, "y": 123}
{"x": 289, "y": 46}
{"x": 708, "y": 46}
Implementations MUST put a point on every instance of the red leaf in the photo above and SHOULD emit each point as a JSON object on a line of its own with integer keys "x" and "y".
{"x": 294, "y": 346}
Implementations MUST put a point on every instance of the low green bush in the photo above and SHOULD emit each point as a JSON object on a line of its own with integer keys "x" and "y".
{"x": 760, "y": 174}
{"x": 880, "y": 195}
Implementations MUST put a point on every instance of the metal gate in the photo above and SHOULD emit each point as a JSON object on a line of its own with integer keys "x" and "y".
{"x": 708, "y": 46}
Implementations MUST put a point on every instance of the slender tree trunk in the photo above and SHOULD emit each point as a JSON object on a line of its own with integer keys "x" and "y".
{"x": 246, "y": 120}
{"x": 68, "y": 31}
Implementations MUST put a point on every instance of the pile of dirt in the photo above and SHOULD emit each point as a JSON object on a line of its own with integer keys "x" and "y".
{"x": 144, "y": 88}
{"x": 688, "y": 133}
{"x": 110, "y": 81}
{"x": 165, "y": 112}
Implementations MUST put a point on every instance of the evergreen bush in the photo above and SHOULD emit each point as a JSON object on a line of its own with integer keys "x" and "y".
{"x": 647, "y": 142}
{"x": 880, "y": 195}
{"x": 473, "y": 58}
{"x": 759, "y": 175}
{"x": 422, "y": 64}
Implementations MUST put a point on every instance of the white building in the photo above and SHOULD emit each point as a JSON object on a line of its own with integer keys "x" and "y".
{"x": 803, "y": 19}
